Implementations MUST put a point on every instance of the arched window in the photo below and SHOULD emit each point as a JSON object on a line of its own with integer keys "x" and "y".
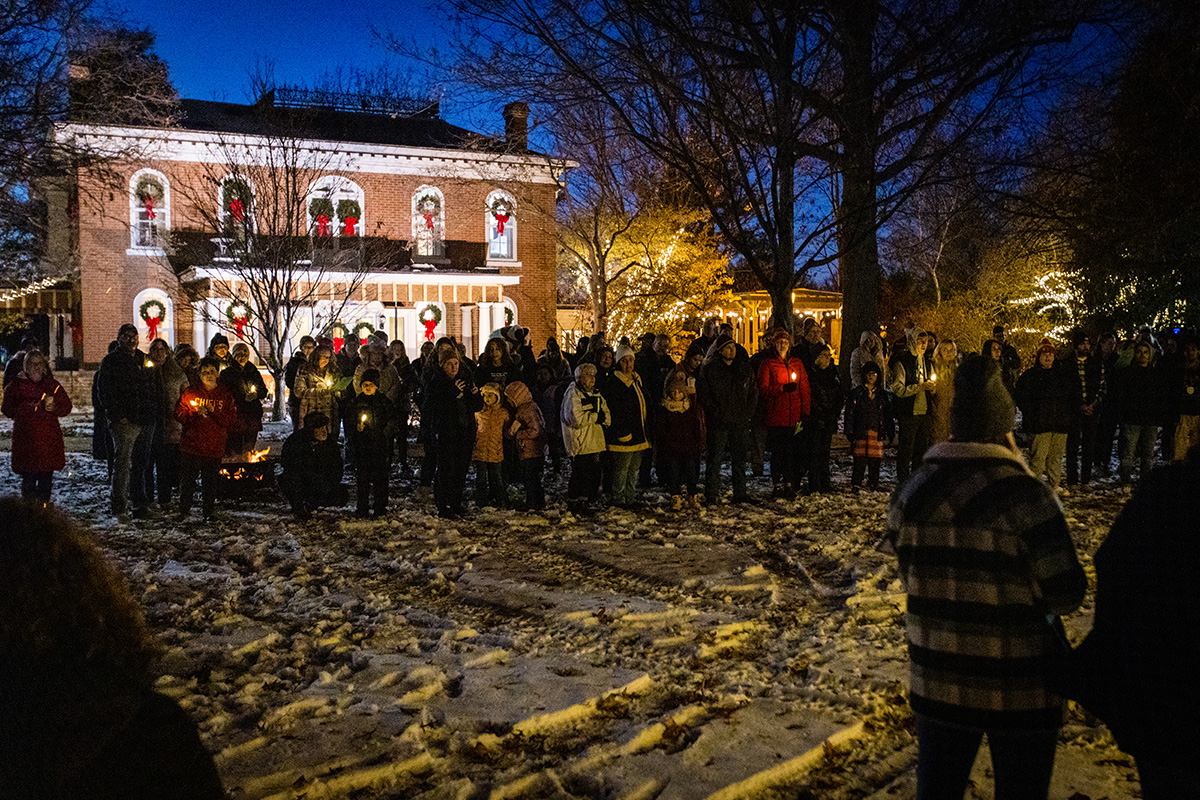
{"x": 149, "y": 210}
{"x": 335, "y": 207}
{"x": 501, "y": 226}
{"x": 429, "y": 222}
{"x": 237, "y": 205}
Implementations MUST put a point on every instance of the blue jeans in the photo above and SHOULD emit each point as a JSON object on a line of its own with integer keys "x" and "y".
{"x": 625, "y": 475}
{"x": 1022, "y": 761}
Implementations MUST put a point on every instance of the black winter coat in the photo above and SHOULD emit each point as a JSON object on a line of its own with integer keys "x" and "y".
{"x": 825, "y": 391}
{"x": 864, "y": 413}
{"x": 249, "y": 390}
{"x": 93, "y": 733}
{"x": 289, "y": 376}
{"x": 626, "y": 431}
{"x": 376, "y": 415}
{"x": 1144, "y": 649}
{"x": 311, "y": 466}
{"x": 125, "y": 387}
{"x": 729, "y": 392}
{"x": 1048, "y": 399}
{"x": 449, "y": 411}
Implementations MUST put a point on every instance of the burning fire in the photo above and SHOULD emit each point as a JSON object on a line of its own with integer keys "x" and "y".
{"x": 254, "y": 456}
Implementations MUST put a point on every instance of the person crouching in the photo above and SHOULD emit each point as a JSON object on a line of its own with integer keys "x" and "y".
{"x": 312, "y": 468}
{"x": 370, "y": 421}
{"x": 207, "y": 412}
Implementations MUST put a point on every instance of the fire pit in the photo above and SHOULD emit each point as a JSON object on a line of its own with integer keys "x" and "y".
{"x": 247, "y": 474}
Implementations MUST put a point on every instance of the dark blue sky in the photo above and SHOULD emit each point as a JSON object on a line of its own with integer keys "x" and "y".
{"x": 211, "y": 47}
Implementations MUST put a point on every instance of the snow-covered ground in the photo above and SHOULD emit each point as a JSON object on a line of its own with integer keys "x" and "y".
{"x": 627, "y": 655}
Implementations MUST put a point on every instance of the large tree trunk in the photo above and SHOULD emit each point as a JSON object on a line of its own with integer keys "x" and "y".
{"x": 857, "y": 216}
{"x": 599, "y": 298}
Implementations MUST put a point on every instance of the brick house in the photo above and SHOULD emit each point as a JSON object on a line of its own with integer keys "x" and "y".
{"x": 409, "y": 213}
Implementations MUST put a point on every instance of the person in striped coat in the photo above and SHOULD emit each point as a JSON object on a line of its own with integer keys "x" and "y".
{"x": 988, "y": 564}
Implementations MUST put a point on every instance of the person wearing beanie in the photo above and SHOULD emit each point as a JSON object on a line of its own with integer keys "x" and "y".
{"x": 681, "y": 437}
{"x": 370, "y": 418}
{"x": 728, "y": 393}
{"x": 218, "y": 348}
{"x": 827, "y": 399}
{"x": 245, "y": 383}
{"x": 528, "y": 432}
{"x": 1045, "y": 394}
{"x": 452, "y": 398}
{"x": 988, "y": 566}
{"x": 868, "y": 424}
{"x": 626, "y": 433}
{"x": 784, "y": 392}
{"x": 490, "y": 422}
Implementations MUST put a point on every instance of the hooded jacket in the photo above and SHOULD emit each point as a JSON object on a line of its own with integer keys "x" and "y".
{"x": 584, "y": 417}
{"x": 783, "y": 409}
{"x": 37, "y": 440}
{"x": 530, "y": 433}
{"x": 867, "y": 342}
{"x": 490, "y": 422}
{"x": 908, "y": 369}
{"x": 728, "y": 392}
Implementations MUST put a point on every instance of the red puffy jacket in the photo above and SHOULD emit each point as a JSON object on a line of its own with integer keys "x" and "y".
{"x": 204, "y": 433}
{"x": 780, "y": 408}
{"x": 37, "y": 443}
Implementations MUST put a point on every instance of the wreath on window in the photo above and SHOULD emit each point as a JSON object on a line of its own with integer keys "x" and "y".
{"x": 349, "y": 212}
{"x": 363, "y": 329}
{"x": 508, "y": 316}
{"x": 427, "y": 206}
{"x": 149, "y": 192}
{"x": 152, "y": 312}
{"x": 430, "y": 317}
{"x": 502, "y": 211}
{"x": 238, "y": 315}
{"x": 321, "y": 211}
{"x": 235, "y": 199}
{"x": 337, "y": 331}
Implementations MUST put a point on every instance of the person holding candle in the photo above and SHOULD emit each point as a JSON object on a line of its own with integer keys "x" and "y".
{"x": 35, "y": 400}
{"x": 911, "y": 383}
{"x": 452, "y": 398}
{"x": 315, "y": 384}
{"x": 126, "y": 394}
{"x": 786, "y": 402}
{"x": 245, "y": 383}
{"x": 164, "y": 448}
{"x": 206, "y": 411}
{"x": 371, "y": 415}
{"x": 827, "y": 399}
{"x": 945, "y": 363}
{"x": 291, "y": 371}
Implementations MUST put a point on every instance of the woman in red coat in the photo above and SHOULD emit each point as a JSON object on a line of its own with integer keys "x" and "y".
{"x": 35, "y": 401}
{"x": 207, "y": 411}
{"x": 784, "y": 395}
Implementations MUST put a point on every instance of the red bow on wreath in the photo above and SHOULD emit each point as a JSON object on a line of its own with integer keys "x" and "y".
{"x": 152, "y": 324}
{"x": 349, "y": 222}
{"x": 148, "y": 201}
{"x": 337, "y": 344}
{"x": 430, "y": 324}
{"x": 500, "y": 220}
{"x": 235, "y": 208}
{"x": 239, "y": 324}
{"x": 429, "y": 220}
{"x": 322, "y": 225}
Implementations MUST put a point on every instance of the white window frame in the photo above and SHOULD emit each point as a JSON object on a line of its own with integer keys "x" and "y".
{"x": 439, "y": 229}
{"x": 221, "y": 215}
{"x": 335, "y": 188}
{"x": 162, "y": 221}
{"x": 510, "y": 227}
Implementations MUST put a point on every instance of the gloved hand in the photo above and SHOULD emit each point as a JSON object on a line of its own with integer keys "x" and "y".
{"x": 790, "y": 387}
{"x": 600, "y": 416}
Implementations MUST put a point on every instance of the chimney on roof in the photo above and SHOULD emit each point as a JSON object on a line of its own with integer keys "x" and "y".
{"x": 516, "y": 125}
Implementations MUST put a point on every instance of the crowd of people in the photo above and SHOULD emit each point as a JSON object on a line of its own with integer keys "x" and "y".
{"x": 622, "y": 418}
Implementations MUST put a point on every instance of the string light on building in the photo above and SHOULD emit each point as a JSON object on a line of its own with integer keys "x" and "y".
{"x": 15, "y": 294}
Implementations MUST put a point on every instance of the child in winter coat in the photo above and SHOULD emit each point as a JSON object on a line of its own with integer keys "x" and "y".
{"x": 489, "y": 449}
{"x": 207, "y": 411}
{"x": 868, "y": 424}
{"x": 35, "y": 401}
{"x": 680, "y": 436}
{"x": 584, "y": 416}
{"x": 529, "y": 430}
{"x": 371, "y": 416}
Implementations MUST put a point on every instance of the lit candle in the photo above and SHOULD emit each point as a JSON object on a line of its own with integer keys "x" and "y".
{"x": 328, "y": 382}
{"x": 149, "y": 363}
{"x": 364, "y": 417}
{"x": 933, "y": 376}
{"x": 793, "y": 376}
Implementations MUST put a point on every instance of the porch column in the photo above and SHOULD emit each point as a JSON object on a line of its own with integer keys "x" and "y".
{"x": 468, "y": 335}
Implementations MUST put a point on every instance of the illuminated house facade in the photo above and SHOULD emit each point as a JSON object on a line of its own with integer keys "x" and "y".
{"x": 411, "y": 221}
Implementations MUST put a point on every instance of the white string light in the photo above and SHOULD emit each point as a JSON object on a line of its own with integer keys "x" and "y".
{"x": 16, "y": 294}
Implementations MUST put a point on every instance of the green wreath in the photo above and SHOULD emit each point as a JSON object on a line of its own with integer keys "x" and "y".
{"x": 333, "y": 331}
{"x": 146, "y": 314}
{"x": 321, "y": 207}
{"x": 508, "y": 316}
{"x": 148, "y": 186}
{"x": 236, "y": 318}
{"x": 360, "y": 327}
{"x": 434, "y": 313}
{"x": 236, "y": 189}
{"x": 347, "y": 209}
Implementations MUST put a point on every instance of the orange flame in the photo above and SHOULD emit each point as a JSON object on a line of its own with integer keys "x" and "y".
{"x": 254, "y": 456}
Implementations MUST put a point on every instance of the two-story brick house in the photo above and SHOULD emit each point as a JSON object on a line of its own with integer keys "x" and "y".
{"x": 421, "y": 220}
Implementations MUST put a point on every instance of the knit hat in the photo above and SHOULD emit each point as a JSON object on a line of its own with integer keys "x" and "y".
{"x": 490, "y": 388}
{"x": 1045, "y": 347}
{"x": 870, "y": 366}
{"x": 983, "y": 410}
{"x": 219, "y": 338}
{"x": 676, "y": 380}
{"x": 623, "y": 351}
{"x": 316, "y": 419}
{"x": 781, "y": 333}
{"x": 447, "y": 355}
{"x": 370, "y": 376}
